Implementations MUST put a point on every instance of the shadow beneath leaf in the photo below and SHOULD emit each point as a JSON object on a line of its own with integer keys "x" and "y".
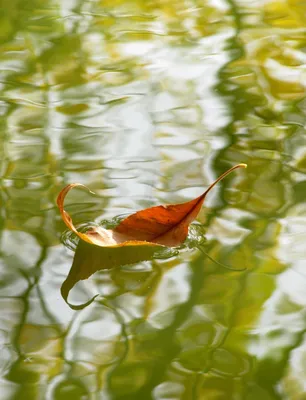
{"x": 90, "y": 258}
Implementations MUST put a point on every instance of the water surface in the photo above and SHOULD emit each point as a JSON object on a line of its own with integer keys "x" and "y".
{"x": 147, "y": 103}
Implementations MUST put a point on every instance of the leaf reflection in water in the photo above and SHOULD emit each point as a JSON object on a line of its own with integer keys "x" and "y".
{"x": 90, "y": 258}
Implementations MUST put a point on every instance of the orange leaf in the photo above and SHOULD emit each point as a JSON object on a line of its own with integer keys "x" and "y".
{"x": 160, "y": 225}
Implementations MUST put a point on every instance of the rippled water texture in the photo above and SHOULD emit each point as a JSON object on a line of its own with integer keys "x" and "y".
{"x": 147, "y": 102}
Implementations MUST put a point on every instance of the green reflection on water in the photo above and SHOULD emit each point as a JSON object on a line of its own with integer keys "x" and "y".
{"x": 146, "y": 103}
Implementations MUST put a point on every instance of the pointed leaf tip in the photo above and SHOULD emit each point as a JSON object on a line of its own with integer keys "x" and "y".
{"x": 167, "y": 225}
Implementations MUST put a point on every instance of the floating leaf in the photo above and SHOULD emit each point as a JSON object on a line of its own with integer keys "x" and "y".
{"x": 159, "y": 225}
{"x": 141, "y": 236}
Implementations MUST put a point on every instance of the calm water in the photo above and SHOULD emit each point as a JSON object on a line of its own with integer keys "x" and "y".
{"x": 147, "y": 103}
